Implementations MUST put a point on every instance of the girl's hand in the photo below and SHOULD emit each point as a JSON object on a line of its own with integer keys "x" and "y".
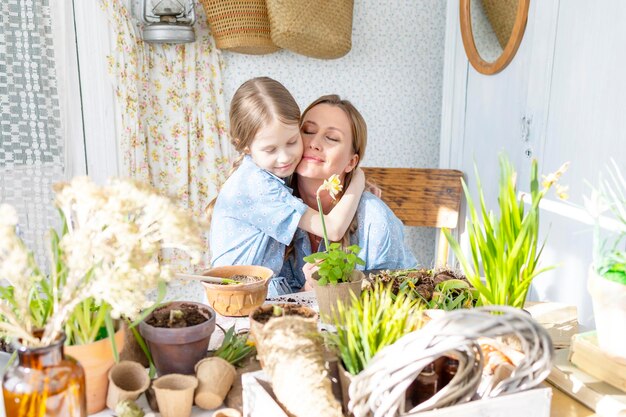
{"x": 308, "y": 270}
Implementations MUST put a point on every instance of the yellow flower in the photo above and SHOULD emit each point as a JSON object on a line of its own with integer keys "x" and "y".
{"x": 332, "y": 185}
{"x": 550, "y": 179}
{"x": 561, "y": 191}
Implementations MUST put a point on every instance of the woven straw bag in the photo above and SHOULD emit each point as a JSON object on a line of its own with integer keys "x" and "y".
{"x": 315, "y": 28}
{"x": 240, "y": 25}
{"x": 501, "y": 15}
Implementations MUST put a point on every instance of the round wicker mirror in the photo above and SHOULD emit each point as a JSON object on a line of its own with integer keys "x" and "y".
{"x": 492, "y": 30}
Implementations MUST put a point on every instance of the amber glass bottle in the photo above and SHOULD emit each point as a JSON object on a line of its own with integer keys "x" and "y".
{"x": 44, "y": 383}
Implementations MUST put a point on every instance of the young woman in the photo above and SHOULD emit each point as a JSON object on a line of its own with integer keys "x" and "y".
{"x": 334, "y": 135}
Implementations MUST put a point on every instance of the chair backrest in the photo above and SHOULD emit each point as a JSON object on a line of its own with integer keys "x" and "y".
{"x": 422, "y": 197}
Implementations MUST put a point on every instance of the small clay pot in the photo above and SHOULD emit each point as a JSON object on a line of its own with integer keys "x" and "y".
{"x": 127, "y": 381}
{"x": 237, "y": 299}
{"x": 215, "y": 377}
{"x": 328, "y": 295}
{"x": 174, "y": 394}
{"x": 177, "y": 350}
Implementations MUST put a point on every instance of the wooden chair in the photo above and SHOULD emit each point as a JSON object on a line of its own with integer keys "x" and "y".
{"x": 422, "y": 197}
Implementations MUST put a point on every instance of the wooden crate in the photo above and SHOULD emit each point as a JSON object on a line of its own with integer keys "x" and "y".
{"x": 587, "y": 355}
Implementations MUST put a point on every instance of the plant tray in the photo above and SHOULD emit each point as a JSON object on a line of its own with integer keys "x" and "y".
{"x": 259, "y": 401}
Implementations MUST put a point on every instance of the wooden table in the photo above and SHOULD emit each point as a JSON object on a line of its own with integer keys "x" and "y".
{"x": 565, "y": 406}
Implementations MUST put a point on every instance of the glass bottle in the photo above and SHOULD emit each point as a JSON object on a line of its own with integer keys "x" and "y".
{"x": 425, "y": 385}
{"x": 44, "y": 383}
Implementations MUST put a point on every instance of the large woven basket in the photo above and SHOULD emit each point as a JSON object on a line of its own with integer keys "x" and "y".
{"x": 501, "y": 15}
{"x": 240, "y": 25}
{"x": 315, "y": 28}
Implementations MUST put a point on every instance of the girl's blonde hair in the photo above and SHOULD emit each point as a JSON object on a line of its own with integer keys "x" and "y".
{"x": 358, "y": 128}
{"x": 256, "y": 103}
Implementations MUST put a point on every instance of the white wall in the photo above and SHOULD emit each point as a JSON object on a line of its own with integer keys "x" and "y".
{"x": 393, "y": 74}
{"x": 567, "y": 79}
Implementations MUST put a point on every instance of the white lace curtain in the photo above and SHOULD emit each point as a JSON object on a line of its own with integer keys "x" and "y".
{"x": 32, "y": 150}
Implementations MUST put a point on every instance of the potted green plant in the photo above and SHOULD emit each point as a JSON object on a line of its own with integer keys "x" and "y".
{"x": 216, "y": 374}
{"x": 367, "y": 325}
{"x": 177, "y": 335}
{"x": 103, "y": 263}
{"x": 336, "y": 277}
{"x": 505, "y": 248}
{"x": 607, "y": 275}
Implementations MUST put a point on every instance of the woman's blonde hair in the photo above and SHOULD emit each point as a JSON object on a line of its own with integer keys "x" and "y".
{"x": 256, "y": 103}
{"x": 358, "y": 129}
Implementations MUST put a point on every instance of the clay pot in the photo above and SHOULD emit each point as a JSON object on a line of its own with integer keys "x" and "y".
{"x": 127, "y": 381}
{"x": 237, "y": 299}
{"x": 174, "y": 394}
{"x": 256, "y": 327}
{"x": 96, "y": 359}
{"x": 345, "y": 379}
{"x": 215, "y": 377}
{"x": 328, "y": 295}
{"x": 178, "y": 350}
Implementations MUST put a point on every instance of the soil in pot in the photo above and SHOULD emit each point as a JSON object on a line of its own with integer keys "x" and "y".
{"x": 266, "y": 313}
{"x": 243, "y": 279}
{"x": 185, "y": 315}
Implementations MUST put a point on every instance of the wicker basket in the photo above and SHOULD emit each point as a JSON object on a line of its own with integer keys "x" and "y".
{"x": 501, "y": 15}
{"x": 240, "y": 25}
{"x": 315, "y": 28}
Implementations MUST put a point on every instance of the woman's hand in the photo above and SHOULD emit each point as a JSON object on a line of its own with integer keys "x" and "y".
{"x": 308, "y": 270}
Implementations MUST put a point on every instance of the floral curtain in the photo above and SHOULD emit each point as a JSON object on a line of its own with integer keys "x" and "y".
{"x": 171, "y": 106}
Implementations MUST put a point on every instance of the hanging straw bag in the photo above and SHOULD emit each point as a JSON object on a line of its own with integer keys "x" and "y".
{"x": 315, "y": 28}
{"x": 240, "y": 25}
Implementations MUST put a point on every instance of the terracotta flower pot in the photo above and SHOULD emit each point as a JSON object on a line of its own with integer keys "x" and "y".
{"x": 328, "y": 295}
{"x": 96, "y": 359}
{"x": 177, "y": 350}
{"x": 174, "y": 394}
{"x": 237, "y": 299}
{"x": 215, "y": 377}
{"x": 256, "y": 326}
{"x": 609, "y": 308}
{"x": 127, "y": 381}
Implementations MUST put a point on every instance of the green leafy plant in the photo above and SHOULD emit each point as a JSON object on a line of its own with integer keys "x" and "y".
{"x": 507, "y": 247}
{"x": 448, "y": 295}
{"x": 609, "y": 252}
{"x": 370, "y": 323}
{"x": 335, "y": 263}
{"x": 235, "y": 347}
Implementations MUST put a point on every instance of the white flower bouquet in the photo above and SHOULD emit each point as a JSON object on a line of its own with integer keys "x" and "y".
{"x": 102, "y": 265}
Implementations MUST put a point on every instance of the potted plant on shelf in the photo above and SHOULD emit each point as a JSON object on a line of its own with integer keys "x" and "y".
{"x": 506, "y": 247}
{"x": 607, "y": 275}
{"x": 102, "y": 265}
{"x": 216, "y": 374}
{"x": 336, "y": 277}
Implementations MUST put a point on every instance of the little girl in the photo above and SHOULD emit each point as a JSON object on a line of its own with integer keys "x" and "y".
{"x": 255, "y": 215}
